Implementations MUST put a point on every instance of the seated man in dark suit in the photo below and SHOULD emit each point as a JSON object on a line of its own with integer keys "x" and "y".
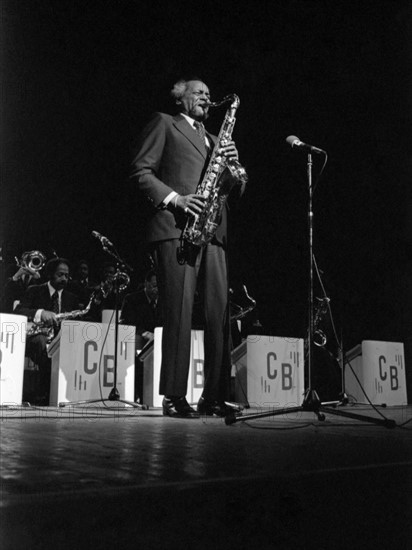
{"x": 41, "y": 304}
{"x": 82, "y": 285}
{"x": 139, "y": 309}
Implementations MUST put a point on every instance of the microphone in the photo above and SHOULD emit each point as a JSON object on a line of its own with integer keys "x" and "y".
{"x": 295, "y": 142}
{"x": 104, "y": 240}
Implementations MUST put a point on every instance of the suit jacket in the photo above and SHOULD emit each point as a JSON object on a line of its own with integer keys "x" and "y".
{"x": 12, "y": 292}
{"x": 171, "y": 157}
{"x": 38, "y": 297}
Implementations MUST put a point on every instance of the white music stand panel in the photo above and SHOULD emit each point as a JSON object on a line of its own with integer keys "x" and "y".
{"x": 83, "y": 362}
{"x": 13, "y": 330}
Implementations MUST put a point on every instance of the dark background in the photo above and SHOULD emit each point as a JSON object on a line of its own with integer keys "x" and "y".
{"x": 80, "y": 79}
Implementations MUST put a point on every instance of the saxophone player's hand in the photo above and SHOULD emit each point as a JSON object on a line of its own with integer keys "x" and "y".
{"x": 190, "y": 204}
{"x": 48, "y": 318}
{"x": 229, "y": 151}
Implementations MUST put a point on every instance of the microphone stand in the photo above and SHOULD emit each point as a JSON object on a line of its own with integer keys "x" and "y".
{"x": 311, "y": 401}
{"x": 114, "y": 394}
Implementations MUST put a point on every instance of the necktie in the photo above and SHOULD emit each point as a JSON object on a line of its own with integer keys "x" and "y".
{"x": 200, "y": 130}
{"x": 55, "y": 302}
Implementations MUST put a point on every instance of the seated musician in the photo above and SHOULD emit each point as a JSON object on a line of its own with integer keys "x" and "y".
{"x": 82, "y": 285}
{"x": 41, "y": 304}
{"x": 27, "y": 274}
{"x": 139, "y": 309}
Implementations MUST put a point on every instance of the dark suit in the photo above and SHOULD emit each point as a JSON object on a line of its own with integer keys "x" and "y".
{"x": 172, "y": 157}
{"x": 83, "y": 290}
{"x": 13, "y": 292}
{"x": 138, "y": 312}
{"x": 38, "y": 297}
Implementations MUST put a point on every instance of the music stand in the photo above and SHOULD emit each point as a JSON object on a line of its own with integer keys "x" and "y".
{"x": 311, "y": 401}
{"x": 121, "y": 268}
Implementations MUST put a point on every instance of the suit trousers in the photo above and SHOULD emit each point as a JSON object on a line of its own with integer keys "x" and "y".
{"x": 205, "y": 271}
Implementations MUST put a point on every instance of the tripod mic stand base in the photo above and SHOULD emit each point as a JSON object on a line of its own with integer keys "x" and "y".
{"x": 311, "y": 403}
{"x": 90, "y": 401}
{"x": 114, "y": 395}
{"x": 343, "y": 399}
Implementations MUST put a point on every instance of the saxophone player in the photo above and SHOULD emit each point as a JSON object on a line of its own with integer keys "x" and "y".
{"x": 170, "y": 160}
{"x": 41, "y": 303}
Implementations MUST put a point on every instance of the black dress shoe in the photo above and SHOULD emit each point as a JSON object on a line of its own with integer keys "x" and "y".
{"x": 178, "y": 407}
{"x": 217, "y": 408}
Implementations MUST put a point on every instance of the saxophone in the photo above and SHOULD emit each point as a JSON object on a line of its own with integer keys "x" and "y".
{"x": 221, "y": 176}
{"x": 49, "y": 330}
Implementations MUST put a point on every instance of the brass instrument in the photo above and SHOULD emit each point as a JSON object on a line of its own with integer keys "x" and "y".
{"x": 49, "y": 330}
{"x": 121, "y": 279}
{"x": 220, "y": 177}
{"x": 320, "y": 312}
{"x": 238, "y": 312}
{"x": 33, "y": 260}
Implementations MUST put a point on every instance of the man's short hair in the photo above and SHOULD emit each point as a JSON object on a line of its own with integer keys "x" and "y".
{"x": 53, "y": 264}
{"x": 180, "y": 86}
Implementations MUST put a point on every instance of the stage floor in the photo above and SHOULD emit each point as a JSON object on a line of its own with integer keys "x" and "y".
{"x": 95, "y": 477}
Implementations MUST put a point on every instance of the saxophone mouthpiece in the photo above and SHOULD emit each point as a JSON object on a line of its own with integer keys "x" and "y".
{"x": 226, "y": 99}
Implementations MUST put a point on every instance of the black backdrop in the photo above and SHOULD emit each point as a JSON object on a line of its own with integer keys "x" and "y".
{"x": 82, "y": 77}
